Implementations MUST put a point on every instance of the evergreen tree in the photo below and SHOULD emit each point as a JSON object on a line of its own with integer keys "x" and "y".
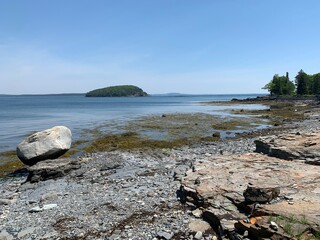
{"x": 288, "y": 87}
{"x": 302, "y": 83}
{"x": 316, "y": 84}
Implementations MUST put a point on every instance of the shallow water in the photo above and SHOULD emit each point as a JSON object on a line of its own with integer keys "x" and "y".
{"x": 24, "y": 114}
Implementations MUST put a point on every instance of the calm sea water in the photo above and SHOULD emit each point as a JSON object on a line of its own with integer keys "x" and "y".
{"x": 22, "y": 115}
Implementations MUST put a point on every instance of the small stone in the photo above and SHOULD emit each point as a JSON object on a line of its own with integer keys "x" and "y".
{"x": 274, "y": 226}
{"x": 49, "y": 196}
{"x": 228, "y": 225}
{"x": 198, "y": 235}
{"x": 197, "y": 181}
{"x": 4, "y": 202}
{"x": 198, "y": 225}
{"x": 45, "y": 207}
{"x": 50, "y": 235}
{"x": 150, "y": 194}
{"x": 117, "y": 231}
{"x": 247, "y": 220}
{"x": 290, "y": 202}
{"x": 25, "y": 232}
{"x": 114, "y": 237}
{"x": 4, "y": 235}
{"x": 36, "y": 209}
{"x": 49, "y": 206}
{"x": 197, "y": 213}
{"x": 165, "y": 235}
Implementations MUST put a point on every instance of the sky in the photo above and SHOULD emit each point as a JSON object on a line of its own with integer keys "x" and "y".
{"x": 162, "y": 46}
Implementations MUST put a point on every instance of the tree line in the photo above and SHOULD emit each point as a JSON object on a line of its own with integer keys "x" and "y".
{"x": 304, "y": 84}
{"x": 117, "y": 91}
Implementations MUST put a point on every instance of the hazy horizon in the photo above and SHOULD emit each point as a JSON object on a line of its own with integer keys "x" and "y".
{"x": 168, "y": 93}
{"x": 192, "y": 47}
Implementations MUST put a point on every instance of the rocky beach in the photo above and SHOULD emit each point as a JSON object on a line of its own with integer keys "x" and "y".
{"x": 258, "y": 185}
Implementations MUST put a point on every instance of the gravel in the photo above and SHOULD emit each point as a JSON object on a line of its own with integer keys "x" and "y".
{"x": 114, "y": 195}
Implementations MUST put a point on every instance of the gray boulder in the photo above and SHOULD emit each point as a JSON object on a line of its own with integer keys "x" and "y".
{"x": 47, "y": 144}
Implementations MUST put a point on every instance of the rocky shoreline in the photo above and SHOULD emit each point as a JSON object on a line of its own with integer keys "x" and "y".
{"x": 144, "y": 194}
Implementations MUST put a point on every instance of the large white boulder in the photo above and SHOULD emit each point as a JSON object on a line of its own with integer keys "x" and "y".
{"x": 47, "y": 144}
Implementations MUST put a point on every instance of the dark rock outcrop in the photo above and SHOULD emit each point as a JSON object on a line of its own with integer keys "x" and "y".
{"x": 260, "y": 195}
{"x": 50, "y": 169}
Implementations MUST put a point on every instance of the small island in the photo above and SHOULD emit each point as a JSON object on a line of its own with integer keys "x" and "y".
{"x": 118, "y": 91}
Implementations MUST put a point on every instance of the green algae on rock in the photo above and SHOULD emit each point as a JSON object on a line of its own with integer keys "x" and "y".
{"x": 9, "y": 163}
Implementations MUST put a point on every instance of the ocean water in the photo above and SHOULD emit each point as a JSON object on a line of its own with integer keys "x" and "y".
{"x": 23, "y": 114}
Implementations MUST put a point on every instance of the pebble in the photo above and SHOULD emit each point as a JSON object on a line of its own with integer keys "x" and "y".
{"x": 4, "y": 202}
{"x": 44, "y": 207}
{"x": 197, "y": 213}
{"x": 25, "y": 232}
{"x": 4, "y": 235}
{"x": 165, "y": 235}
{"x": 198, "y": 235}
{"x": 274, "y": 226}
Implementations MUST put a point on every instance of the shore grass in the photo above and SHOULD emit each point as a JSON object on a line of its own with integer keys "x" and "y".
{"x": 288, "y": 225}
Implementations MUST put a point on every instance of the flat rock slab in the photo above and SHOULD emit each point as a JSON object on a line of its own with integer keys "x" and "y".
{"x": 292, "y": 146}
{"x": 218, "y": 183}
{"x": 50, "y": 169}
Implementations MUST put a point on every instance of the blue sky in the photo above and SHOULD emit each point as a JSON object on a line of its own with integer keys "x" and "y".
{"x": 201, "y": 47}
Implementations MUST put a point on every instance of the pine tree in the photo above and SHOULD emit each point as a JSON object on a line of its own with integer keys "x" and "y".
{"x": 316, "y": 84}
{"x": 302, "y": 83}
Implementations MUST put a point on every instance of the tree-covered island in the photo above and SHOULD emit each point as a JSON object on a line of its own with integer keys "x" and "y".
{"x": 118, "y": 91}
{"x": 304, "y": 85}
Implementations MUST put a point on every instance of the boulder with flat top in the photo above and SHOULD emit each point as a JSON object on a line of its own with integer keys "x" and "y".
{"x": 48, "y": 144}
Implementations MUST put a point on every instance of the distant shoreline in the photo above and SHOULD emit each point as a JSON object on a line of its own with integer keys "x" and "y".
{"x": 152, "y": 94}
{"x": 45, "y": 94}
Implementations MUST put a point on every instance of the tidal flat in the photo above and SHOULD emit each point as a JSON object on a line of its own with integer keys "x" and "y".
{"x": 170, "y": 130}
{"x": 178, "y": 129}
